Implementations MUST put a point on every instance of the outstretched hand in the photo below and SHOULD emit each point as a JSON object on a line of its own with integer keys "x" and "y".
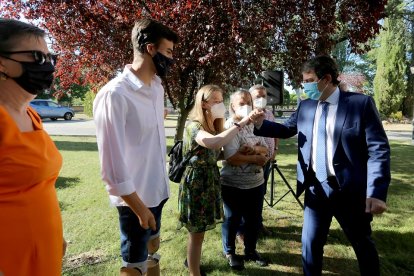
{"x": 257, "y": 117}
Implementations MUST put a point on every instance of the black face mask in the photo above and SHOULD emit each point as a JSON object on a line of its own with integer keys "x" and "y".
{"x": 162, "y": 64}
{"x": 36, "y": 77}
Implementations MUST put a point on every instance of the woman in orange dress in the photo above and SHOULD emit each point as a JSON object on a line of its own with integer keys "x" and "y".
{"x": 31, "y": 238}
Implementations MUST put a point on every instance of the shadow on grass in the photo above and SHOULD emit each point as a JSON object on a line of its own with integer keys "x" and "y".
{"x": 250, "y": 268}
{"x": 76, "y": 146}
{"x": 65, "y": 182}
{"x": 286, "y": 261}
{"x": 395, "y": 249}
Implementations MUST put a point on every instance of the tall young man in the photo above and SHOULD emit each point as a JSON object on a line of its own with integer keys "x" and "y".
{"x": 129, "y": 118}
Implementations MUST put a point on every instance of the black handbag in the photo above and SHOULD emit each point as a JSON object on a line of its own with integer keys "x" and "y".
{"x": 178, "y": 162}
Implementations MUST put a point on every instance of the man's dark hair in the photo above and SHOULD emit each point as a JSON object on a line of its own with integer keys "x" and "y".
{"x": 322, "y": 65}
{"x": 147, "y": 31}
{"x": 11, "y": 29}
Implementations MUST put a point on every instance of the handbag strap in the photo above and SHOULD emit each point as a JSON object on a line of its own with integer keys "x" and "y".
{"x": 188, "y": 155}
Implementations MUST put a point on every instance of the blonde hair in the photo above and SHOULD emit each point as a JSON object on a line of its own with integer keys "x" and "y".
{"x": 238, "y": 93}
{"x": 203, "y": 116}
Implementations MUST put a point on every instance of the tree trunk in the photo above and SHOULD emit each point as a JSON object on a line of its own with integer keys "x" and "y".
{"x": 182, "y": 118}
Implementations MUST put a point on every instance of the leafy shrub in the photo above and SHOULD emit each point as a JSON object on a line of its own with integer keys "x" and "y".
{"x": 396, "y": 116}
{"x": 88, "y": 103}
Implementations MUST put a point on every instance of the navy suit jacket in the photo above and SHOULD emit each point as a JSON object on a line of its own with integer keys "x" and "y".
{"x": 361, "y": 157}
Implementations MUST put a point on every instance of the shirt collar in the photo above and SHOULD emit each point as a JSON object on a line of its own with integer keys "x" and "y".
{"x": 333, "y": 99}
{"x": 135, "y": 82}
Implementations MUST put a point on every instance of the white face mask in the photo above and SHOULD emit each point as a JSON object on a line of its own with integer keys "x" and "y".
{"x": 218, "y": 111}
{"x": 243, "y": 111}
{"x": 260, "y": 103}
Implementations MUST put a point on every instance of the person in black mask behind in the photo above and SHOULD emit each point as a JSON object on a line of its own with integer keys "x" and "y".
{"x": 31, "y": 235}
{"x": 129, "y": 119}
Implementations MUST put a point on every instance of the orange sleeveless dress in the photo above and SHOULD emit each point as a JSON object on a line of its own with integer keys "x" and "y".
{"x": 31, "y": 234}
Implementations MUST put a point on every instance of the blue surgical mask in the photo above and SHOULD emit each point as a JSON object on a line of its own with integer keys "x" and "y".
{"x": 312, "y": 91}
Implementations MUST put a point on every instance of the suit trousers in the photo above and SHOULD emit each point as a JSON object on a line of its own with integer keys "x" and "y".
{"x": 324, "y": 201}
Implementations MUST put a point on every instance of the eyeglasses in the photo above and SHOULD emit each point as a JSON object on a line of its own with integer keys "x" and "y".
{"x": 38, "y": 56}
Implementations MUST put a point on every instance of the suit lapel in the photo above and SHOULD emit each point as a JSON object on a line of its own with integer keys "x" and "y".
{"x": 340, "y": 118}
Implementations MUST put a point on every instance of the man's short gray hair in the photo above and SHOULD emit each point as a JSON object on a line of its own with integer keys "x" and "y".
{"x": 257, "y": 87}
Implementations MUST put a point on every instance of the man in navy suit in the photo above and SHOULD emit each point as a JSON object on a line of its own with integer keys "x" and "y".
{"x": 343, "y": 164}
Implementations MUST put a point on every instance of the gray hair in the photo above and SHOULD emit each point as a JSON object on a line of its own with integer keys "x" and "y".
{"x": 257, "y": 87}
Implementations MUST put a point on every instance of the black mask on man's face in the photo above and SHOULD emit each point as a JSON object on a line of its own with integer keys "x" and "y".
{"x": 35, "y": 77}
{"x": 162, "y": 64}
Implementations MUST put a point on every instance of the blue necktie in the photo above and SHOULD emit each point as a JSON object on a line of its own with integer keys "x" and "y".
{"x": 321, "y": 159}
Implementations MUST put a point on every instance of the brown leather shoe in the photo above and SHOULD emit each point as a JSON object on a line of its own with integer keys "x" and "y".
{"x": 130, "y": 271}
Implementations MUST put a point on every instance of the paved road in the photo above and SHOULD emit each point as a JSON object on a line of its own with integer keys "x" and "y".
{"x": 86, "y": 127}
{"x": 80, "y": 127}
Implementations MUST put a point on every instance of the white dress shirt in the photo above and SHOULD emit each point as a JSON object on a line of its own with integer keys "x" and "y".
{"x": 129, "y": 119}
{"x": 330, "y": 125}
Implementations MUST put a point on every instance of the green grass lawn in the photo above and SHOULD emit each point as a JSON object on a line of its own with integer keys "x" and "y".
{"x": 91, "y": 225}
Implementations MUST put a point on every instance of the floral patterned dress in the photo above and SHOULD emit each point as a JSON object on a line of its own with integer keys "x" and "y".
{"x": 199, "y": 199}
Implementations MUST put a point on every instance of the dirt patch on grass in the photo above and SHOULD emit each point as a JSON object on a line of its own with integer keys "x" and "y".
{"x": 86, "y": 258}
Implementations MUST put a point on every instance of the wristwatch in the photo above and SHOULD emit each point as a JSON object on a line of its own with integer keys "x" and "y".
{"x": 238, "y": 126}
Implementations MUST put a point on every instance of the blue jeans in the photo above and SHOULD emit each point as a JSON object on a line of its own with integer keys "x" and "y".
{"x": 134, "y": 238}
{"x": 266, "y": 173}
{"x": 240, "y": 203}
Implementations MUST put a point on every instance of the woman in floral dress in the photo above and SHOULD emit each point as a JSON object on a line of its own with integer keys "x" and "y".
{"x": 199, "y": 199}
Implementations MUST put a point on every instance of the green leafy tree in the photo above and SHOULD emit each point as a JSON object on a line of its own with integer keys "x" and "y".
{"x": 88, "y": 103}
{"x": 389, "y": 81}
{"x": 408, "y": 103}
{"x": 343, "y": 56}
{"x": 67, "y": 95}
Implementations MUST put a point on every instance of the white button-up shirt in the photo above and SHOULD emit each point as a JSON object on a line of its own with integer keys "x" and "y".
{"x": 129, "y": 119}
{"x": 330, "y": 126}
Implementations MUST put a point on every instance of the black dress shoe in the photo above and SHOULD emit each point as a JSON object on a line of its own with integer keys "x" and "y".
{"x": 235, "y": 261}
{"x": 254, "y": 256}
